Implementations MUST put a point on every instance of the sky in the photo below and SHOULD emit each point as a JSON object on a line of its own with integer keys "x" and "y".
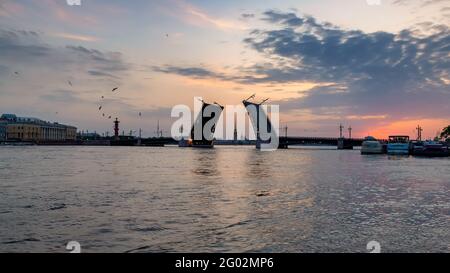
{"x": 381, "y": 67}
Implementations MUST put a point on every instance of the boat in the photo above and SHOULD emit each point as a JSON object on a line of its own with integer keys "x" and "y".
{"x": 416, "y": 146}
{"x": 430, "y": 149}
{"x": 371, "y": 146}
{"x": 398, "y": 145}
{"x": 184, "y": 141}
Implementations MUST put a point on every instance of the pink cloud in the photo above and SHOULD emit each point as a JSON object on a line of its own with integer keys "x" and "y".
{"x": 9, "y": 8}
{"x": 193, "y": 15}
{"x": 75, "y": 37}
{"x": 66, "y": 14}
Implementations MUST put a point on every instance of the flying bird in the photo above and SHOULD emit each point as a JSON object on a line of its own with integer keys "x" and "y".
{"x": 103, "y": 114}
{"x": 100, "y": 108}
{"x": 167, "y": 35}
{"x": 109, "y": 117}
{"x": 17, "y": 73}
{"x": 115, "y": 89}
{"x": 140, "y": 114}
{"x": 70, "y": 83}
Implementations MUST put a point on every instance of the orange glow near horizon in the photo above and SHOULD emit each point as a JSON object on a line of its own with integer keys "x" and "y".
{"x": 275, "y": 92}
{"x": 431, "y": 128}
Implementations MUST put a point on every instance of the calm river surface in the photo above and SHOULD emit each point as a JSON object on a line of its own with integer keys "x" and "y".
{"x": 229, "y": 199}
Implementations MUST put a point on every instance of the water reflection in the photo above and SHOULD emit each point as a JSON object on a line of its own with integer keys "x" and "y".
{"x": 205, "y": 162}
{"x": 259, "y": 165}
{"x": 230, "y": 199}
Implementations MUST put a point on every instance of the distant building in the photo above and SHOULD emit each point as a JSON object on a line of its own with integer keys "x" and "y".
{"x": 88, "y": 136}
{"x": 33, "y": 129}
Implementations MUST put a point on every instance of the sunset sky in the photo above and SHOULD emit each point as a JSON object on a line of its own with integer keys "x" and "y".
{"x": 383, "y": 69}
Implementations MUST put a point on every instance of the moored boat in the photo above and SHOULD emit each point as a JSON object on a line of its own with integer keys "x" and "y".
{"x": 398, "y": 145}
{"x": 431, "y": 149}
{"x": 183, "y": 143}
{"x": 371, "y": 146}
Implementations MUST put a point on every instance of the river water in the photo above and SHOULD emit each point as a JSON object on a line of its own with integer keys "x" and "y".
{"x": 229, "y": 199}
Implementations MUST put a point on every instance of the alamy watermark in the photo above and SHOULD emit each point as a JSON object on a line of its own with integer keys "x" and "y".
{"x": 373, "y": 2}
{"x": 374, "y": 247}
{"x": 263, "y": 122}
{"x": 73, "y": 2}
{"x": 73, "y": 247}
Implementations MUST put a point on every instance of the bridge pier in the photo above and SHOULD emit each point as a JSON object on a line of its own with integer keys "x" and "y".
{"x": 344, "y": 144}
{"x": 283, "y": 143}
{"x": 283, "y": 146}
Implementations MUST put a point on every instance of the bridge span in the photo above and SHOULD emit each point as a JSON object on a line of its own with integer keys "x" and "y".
{"x": 328, "y": 141}
{"x": 285, "y": 142}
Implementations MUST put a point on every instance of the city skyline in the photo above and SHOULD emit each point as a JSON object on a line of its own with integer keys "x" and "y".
{"x": 382, "y": 69}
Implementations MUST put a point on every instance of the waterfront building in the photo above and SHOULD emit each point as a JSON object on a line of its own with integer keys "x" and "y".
{"x": 34, "y": 129}
{"x": 88, "y": 136}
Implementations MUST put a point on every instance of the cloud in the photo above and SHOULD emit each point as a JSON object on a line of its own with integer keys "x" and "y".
{"x": 101, "y": 74}
{"x": 75, "y": 37}
{"x": 398, "y": 73}
{"x": 65, "y": 96}
{"x": 423, "y": 3}
{"x": 42, "y": 86}
{"x": 4, "y": 70}
{"x": 434, "y": 2}
{"x": 28, "y": 49}
{"x": 205, "y": 73}
{"x": 10, "y": 8}
{"x": 246, "y": 16}
{"x": 21, "y": 45}
{"x": 108, "y": 61}
{"x": 61, "y": 12}
{"x": 193, "y": 72}
{"x": 366, "y": 117}
{"x": 438, "y": 8}
{"x": 193, "y": 15}
{"x": 368, "y": 74}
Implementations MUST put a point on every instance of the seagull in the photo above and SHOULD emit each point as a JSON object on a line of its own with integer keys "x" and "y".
{"x": 17, "y": 73}
{"x": 140, "y": 114}
{"x": 109, "y": 117}
{"x": 115, "y": 89}
{"x": 167, "y": 35}
{"x": 100, "y": 108}
{"x": 103, "y": 114}
{"x": 70, "y": 83}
